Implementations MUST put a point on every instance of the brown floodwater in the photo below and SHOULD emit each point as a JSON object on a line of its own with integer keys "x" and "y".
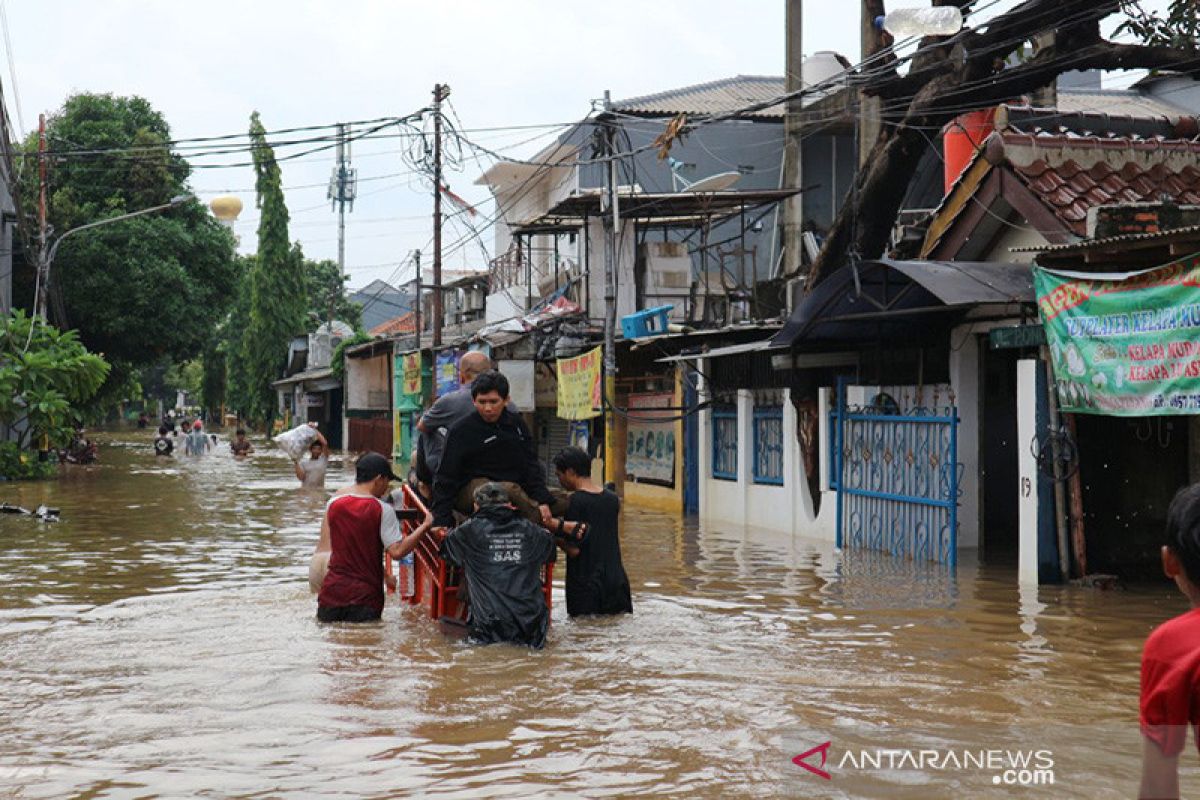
{"x": 160, "y": 641}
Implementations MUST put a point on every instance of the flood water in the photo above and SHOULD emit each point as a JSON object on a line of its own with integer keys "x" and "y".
{"x": 160, "y": 641}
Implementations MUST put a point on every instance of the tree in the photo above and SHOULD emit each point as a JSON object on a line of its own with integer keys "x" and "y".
{"x": 971, "y": 70}
{"x": 46, "y": 375}
{"x": 141, "y": 289}
{"x": 278, "y": 297}
{"x": 327, "y": 294}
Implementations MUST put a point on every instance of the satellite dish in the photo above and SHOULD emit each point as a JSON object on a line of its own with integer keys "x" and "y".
{"x": 714, "y": 183}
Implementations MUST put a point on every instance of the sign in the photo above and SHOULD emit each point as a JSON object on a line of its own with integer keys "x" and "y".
{"x": 520, "y": 376}
{"x": 1124, "y": 345}
{"x": 314, "y": 400}
{"x": 411, "y": 382}
{"x": 650, "y": 442}
{"x": 1017, "y": 337}
{"x": 579, "y": 386}
{"x": 445, "y": 376}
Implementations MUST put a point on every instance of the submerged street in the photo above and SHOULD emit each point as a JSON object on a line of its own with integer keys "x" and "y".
{"x": 160, "y": 641}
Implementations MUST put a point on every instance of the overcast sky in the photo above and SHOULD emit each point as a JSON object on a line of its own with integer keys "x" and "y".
{"x": 207, "y": 66}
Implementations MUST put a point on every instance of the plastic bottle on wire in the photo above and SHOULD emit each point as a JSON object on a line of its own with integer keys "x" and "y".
{"x": 406, "y": 577}
{"x": 935, "y": 21}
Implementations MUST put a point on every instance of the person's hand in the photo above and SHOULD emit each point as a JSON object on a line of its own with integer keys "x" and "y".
{"x": 312, "y": 425}
{"x": 546, "y": 515}
{"x": 428, "y": 521}
{"x": 389, "y": 579}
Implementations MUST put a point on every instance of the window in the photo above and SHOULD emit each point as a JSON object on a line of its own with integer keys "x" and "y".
{"x": 768, "y": 445}
{"x": 724, "y": 443}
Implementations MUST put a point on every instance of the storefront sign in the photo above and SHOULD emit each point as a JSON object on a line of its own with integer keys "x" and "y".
{"x": 411, "y": 384}
{"x": 650, "y": 443}
{"x": 1124, "y": 345}
{"x": 579, "y": 386}
{"x": 314, "y": 400}
{"x": 446, "y": 374}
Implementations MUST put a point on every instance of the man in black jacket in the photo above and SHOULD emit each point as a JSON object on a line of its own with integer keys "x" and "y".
{"x": 502, "y": 555}
{"x": 490, "y": 444}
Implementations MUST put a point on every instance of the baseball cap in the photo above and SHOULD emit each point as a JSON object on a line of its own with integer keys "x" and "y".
{"x": 371, "y": 466}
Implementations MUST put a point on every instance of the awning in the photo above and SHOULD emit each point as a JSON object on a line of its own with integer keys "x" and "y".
{"x": 731, "y": 350}
{"x": 888, "y": 298}
{"x": 319, "y": 380}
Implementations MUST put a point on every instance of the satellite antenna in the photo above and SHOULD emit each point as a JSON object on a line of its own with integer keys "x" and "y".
{"x": 713, "y": 183}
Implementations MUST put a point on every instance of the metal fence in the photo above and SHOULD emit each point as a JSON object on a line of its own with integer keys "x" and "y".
{"x": 896, "y": 473}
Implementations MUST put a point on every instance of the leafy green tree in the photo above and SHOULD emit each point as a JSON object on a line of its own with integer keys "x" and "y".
{"x": 278, "y": 296}
{"x": 1179, "y": 29}
{"x": 327, "y": 294}
{"x": 46, "y": 375}
{"x": 143, "y": 289}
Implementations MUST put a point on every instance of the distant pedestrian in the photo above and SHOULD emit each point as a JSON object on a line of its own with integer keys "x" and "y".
{"x": 1170, "y": 695}
{"x": 197, "y": 441}
{"x": 241, "y": 446}
{"x": 142, "y": 420}
{"x": 596, "y": 581}
{"x": 311, "y": 471}
{"x": 163, "y": 445}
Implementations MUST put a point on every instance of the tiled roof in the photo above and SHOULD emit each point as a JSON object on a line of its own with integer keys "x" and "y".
{"x": 1072, "y": 174}
{"x": 1116, "y": 102}
{"x": 715, "y": 97}
{"x": 405, "y": 323}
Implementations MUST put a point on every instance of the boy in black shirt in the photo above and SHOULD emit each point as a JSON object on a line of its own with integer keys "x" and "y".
{"x": 596, "y": 581}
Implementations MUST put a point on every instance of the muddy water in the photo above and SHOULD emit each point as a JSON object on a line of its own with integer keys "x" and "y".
{"x": 160, "y": 642}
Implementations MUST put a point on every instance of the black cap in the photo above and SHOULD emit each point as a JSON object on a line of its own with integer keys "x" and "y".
{"x": 370, "y": 466}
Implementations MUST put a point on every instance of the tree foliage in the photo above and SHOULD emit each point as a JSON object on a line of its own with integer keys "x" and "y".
{"x": 278, "y": 297}
{"x": 46, "y": 375}
{"x": 1180, "y": 28}
{"x": 327, "y": 293}
{"x": 143, "y": 289}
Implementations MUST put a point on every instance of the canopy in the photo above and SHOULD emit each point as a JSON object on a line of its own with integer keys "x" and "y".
{"x": 888, "y": 298}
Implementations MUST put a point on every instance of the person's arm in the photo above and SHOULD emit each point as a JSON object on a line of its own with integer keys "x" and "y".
{"x": 1160, "y": 773}
{"x": 321, "y": 439}
{"x": 299, "y": 470}
{"x": 400, "y": 549}
{"x": 437, "y": 416}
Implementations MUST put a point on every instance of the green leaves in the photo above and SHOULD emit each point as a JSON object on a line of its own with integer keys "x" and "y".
{"x": 45, "y": 375}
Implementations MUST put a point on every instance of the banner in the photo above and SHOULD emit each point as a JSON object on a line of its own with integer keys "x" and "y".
{"x": 412, "y": 373}
{"x": 1124, "y": 345}
{"x": 650, "y": 444}
{"x": 579, "y": 386}
{"x": 445, "y": 376}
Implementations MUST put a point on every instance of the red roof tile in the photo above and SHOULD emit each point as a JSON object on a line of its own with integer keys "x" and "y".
{"x": 1072, "y": 174}
{"x": 405, "y": 323}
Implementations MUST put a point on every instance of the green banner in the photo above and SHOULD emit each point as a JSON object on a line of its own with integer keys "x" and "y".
{"x": 1124, "y": 345}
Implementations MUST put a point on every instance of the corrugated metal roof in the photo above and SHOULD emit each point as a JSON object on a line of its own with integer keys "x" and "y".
{"x": 1116, "y": 102}
{"x": 1185, "y": 232}
{"x": 715, "y": 97}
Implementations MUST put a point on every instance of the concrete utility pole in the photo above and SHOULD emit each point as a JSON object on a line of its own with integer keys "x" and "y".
{"x": 440, "y": 93}
{"x": 416, "y": 256}
{"x": 612, "y": 227}
{"x": 869, "y": 108}
{"x": 793, "y": 207}
{"x": 343, "y": 188}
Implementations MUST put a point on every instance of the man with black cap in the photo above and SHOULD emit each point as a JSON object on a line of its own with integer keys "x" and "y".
{"x": 360, "y": 528}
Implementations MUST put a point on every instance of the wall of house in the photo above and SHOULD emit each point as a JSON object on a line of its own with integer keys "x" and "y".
{"x": 368, "y": 382}
{"x": 623, "y": 263}
{"x": 1012, "y": 238}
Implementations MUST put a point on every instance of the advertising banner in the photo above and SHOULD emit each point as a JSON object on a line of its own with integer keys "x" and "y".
{"x": 1124, "y": 345}
{"x": 579, "y": 386}
{"x": 446, "y": 372}
{"x": 650, "y": 443}
{"x": 411, "y": 384}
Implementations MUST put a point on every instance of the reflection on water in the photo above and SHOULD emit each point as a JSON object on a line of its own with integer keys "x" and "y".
{"x": 160, "y": 641}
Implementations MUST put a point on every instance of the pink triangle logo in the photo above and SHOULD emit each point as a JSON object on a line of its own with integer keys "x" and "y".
{"x": 823, "y": 749}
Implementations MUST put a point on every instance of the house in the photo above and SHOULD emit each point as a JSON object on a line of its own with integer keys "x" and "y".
{"x": 309, "y": 390}
{"x": 380, "y": 302}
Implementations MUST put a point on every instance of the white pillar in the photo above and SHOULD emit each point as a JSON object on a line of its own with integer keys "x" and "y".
{"x": 745, "y": 448}
{"x": 704, "y": 439}
{"x": 1028, "y": 371}
{"x": 793, "y": 470}
{"x": 964, "y": 380}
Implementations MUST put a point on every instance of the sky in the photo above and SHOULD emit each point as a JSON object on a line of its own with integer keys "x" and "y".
{"x": 510, "y": 64}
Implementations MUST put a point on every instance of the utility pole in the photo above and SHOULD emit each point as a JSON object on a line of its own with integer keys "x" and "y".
{"x": 343, "y": 188}
{"x": 416, "y": 255}
{"x": 612, "y": 227}
{"x": 793, "y": 207}
{"x": 43, "y": 272}
{"x": 440, "y": 93}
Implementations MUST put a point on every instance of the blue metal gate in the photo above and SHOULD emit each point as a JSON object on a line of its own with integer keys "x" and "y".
{"x": 896, "y": 476}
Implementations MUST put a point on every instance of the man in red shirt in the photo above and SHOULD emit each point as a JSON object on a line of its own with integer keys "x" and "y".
{"x": 1170, "y": 698}
{"x": 361, "y": 527}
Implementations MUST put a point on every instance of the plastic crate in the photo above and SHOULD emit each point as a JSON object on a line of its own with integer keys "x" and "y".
{"x": 648, "y": 322}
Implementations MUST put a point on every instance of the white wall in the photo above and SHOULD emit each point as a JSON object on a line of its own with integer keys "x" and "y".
{"x": 368, "y": 382}
{"x": 626, "y": 290}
